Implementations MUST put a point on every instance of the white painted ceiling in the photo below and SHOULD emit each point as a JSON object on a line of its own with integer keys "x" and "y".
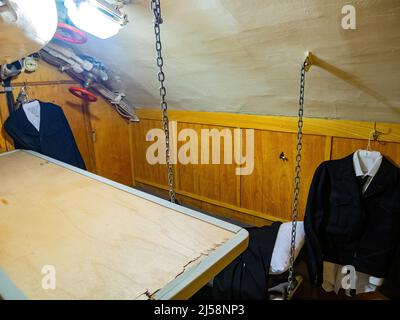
{"x": 244, "y": 57}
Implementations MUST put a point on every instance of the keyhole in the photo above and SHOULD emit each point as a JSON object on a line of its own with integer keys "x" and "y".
{"x": 283, "y": 157}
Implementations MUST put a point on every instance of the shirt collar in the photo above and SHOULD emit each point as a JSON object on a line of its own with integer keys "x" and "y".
{"x": 366, "y": 162}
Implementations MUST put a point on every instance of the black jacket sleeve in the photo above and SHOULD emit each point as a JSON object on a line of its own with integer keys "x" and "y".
{"x": 78, "y": 160}
{"x": 391, "y": 284}
{"x": 21, "y": 140}
{"x": 316, "y": 212}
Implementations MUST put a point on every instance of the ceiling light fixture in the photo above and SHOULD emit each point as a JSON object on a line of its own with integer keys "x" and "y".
{"x": 97, "y": 17}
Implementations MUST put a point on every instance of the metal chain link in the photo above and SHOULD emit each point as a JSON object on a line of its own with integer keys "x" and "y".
{"x": 297, "y": 180}
{"x": 156, "y": 9}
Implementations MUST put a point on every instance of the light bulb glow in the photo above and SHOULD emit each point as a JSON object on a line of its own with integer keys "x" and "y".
{"x": 30, "y": 16}
{"x": 87, "y": 17}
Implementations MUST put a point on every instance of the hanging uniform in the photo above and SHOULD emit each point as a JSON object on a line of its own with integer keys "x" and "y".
{"x": 353, "y": 221}
{"x": 366, "y": 165}
{"x": 43, "y": 127}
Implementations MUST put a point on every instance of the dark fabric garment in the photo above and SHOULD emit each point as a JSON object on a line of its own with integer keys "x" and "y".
{"x": 246, "y": 278}
{"x": 391, "y": 284}
{"x": 344, "y": 226}
{"x": 54, "y": 139}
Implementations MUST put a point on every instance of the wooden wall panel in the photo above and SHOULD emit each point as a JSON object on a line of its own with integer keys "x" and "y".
{"x": 7, "y": 141}
{"x": 110, "y": 135}
{"x": 213, "y": 181}
{"x": 44, "y": 73}
{"x": 209, "y": 208}
{"x": 267, "y": 194}
{"x": 342, "y": 147}
{"x": 143, "y": 171}
{"x": 269, "y": 190}
{"x": 3, "y": 145}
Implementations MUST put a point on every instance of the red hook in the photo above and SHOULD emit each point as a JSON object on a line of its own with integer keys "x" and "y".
{"x": 70, "y": 34}
{"x": 83, "y": 94}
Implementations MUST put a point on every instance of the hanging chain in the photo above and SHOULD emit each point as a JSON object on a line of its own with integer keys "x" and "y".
{"x": 291, "y": 283}
{"x": 156, "y": 9}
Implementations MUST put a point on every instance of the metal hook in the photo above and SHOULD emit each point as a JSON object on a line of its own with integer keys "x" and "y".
{"x": 374, "y": 136}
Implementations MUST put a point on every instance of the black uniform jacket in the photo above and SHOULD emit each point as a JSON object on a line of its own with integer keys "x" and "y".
{"x": 54, "y": 139}
{"x": 344, "y": 226}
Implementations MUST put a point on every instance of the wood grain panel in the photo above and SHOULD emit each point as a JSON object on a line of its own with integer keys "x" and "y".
{"x": 44, "y": 73}
{"x": 234, "y": 216}
{"x": 390, "y": 132}
{"x": 213, "y": 181}
{"x": 269, "y": 189}
{"x": 7, "y": 142}
{"x": 110, "y": 134}
{"x": 142, "y": 169}
{"x": 342, "y": 147}
{"x": 104, "y": 243}
{"x": 3, "y": 145}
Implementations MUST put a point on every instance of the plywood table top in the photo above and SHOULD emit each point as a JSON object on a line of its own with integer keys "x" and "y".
{"x": 100, "y": 239}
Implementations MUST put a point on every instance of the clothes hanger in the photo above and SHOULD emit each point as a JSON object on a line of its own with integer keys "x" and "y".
{"x": 374, "y": 136}
{"x": 23, "y": 96}
{"x": 368, "y": 157}
{"x": 30, "y": 107}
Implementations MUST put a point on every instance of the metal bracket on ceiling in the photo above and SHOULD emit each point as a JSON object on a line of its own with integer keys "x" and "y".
{"x": 308, "y": 62}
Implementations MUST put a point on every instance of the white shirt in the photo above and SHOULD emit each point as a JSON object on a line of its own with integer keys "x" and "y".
{"x": 32, "y": 112}
{"x": 365, "y": 163}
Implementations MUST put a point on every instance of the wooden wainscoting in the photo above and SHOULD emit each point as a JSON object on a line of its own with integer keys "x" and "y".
{"x": 267, "y": 194}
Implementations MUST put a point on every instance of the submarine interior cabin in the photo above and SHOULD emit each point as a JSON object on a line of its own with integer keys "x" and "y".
{"x": 213, "y": 149}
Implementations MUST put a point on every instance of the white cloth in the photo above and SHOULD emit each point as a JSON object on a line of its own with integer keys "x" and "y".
{"x": 333, "y": 278}
{"x": 280, "y": 260}
{"x": 365, "y": 163}
{"x": 32, "y": 111}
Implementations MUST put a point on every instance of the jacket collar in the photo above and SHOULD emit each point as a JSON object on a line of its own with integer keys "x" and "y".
{"x": 384, "y": 178}
{"x": 26, "y": 126}
{"x": 366, "y": 162}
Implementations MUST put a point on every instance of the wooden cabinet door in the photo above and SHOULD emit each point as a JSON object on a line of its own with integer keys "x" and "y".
{"x": 269, "y": 189}
{"x": 143, "y": 171}
{"x": 110, "y": 135}
{"x": 3, "y": 115}
{"x": 218, "y": 181}
{"x": 342, "y": 147}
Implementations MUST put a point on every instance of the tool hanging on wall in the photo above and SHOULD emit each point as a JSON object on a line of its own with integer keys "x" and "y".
{"x": 292, "y": 282}
{"x": 156, "y": 9}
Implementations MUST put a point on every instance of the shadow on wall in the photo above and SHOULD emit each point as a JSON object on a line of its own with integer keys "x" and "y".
{"x": 352, "y": 80}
